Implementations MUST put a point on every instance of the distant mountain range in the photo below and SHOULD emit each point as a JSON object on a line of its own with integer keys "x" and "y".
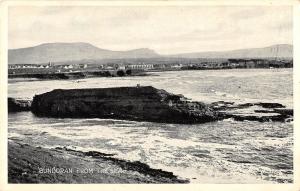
{"x": 61, "y": 52}
{"x": 279, "y": 51}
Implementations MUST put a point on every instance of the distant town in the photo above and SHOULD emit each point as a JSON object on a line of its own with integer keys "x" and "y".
{"x": 127, "y": 67}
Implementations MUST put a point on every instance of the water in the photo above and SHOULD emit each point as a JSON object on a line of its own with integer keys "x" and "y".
{"x": 218, "y": 152}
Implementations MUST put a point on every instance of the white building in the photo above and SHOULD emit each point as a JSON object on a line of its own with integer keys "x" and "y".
{"x": 141, "y": 66}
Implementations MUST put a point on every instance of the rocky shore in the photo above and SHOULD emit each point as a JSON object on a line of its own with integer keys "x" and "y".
{"x": 261, "y": 112}
{"x": 28, "y": 164}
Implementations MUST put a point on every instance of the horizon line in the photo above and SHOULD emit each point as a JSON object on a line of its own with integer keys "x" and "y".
{"x": 78, "y": 42}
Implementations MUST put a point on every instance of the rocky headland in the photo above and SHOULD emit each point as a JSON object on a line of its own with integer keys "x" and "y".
{"x": 128, "y": 103}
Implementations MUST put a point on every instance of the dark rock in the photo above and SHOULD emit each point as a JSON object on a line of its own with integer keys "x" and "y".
{"x": 94, "y": 154}
{"x": 97, "y": 154}
{"x": 264, "y": 111}
{"x": 15, "y": 105}
{"x": 221, "y": 105}
{"x": 285, "y": 111}
{"x": 230, "y": 105}
{"x": 222, "y": 102}
{"x": 131, "y": 103}
{"x": 238, "y": 117}
{"x": 282, "y": 111}
{"x": 245, "y": 105}
{"x": 270, "y": 105}
{"x": 261, "y": 112}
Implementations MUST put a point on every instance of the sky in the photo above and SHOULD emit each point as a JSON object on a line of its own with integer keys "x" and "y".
{"x": 165, "y": 29}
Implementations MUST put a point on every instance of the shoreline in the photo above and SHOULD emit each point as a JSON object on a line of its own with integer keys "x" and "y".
{"x": 77, "y": 75}
{"x": 142, "y": 103}
{"x": 28, "y": 164}
{"x": 74, "y": 75}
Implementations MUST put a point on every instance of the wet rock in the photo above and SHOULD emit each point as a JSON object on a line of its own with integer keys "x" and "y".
{"x": 15, "y": 105}
{"x": 97, "y": 154}
{"x": 245, "y": 105}
{"x": 230, "y": 105}
{"x": 270, "y": 105}
{"x": 285, "y": 111}
{"x": 261, "y": 112}
{"x": 238, "y": 117}
{"x": 221, "y": 105}
{"x": 264, "y": 111}
{"x": 130, "y": 103}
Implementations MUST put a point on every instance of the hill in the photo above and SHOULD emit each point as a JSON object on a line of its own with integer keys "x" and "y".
{"x": 60, "y": 52}
{"x": 275, "y": 51}
{"x": 71, "y": 52}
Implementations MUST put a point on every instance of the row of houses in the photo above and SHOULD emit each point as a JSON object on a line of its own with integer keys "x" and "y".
{"x": 71, "y": 66}
{"x": 128, "y": 66}
{"x": 47, "y": 66}
{"x": 242, "y": 63}
{"x": 32, "y": 66}
{"x": 260, "y": 63}
{"x": 140, "y": 66}
{"x": 229, "y": 63}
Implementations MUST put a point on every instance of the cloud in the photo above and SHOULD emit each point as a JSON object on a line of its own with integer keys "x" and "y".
{"x": 165, "y": 29}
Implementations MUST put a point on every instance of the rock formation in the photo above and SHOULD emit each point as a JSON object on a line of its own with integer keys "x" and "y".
{"x": 262, "y": 112}
{"x": 144, "y": 104}
{"x": 130, "y": 103}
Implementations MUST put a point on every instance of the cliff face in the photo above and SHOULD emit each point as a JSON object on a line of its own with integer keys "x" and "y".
{"x": 131, "y": 103}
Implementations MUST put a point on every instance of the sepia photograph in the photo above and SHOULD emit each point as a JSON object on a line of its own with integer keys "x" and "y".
{"x": 120, "y": 94}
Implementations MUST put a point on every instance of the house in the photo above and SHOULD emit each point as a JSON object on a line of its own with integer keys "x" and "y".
{"x": 26, "y": 66}
{"x": 140, "y": 66}
{"x": 82, "y": 66}
{"x": 108, "y": 67}
{"x": 120, "y": 67}
{"x": 242, "y": 63}
{"x": 68, "y": 66}
{"x": 177, "y": 66}
{"x": 12, "y": 66}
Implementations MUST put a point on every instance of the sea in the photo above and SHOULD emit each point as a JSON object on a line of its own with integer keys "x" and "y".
{"x": 224, "y": 151}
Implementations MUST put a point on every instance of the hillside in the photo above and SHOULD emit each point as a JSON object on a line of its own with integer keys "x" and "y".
{"x": 63, "y": 52}
{"x": 60, "y": 52}
{"x": 279, "y": 51}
